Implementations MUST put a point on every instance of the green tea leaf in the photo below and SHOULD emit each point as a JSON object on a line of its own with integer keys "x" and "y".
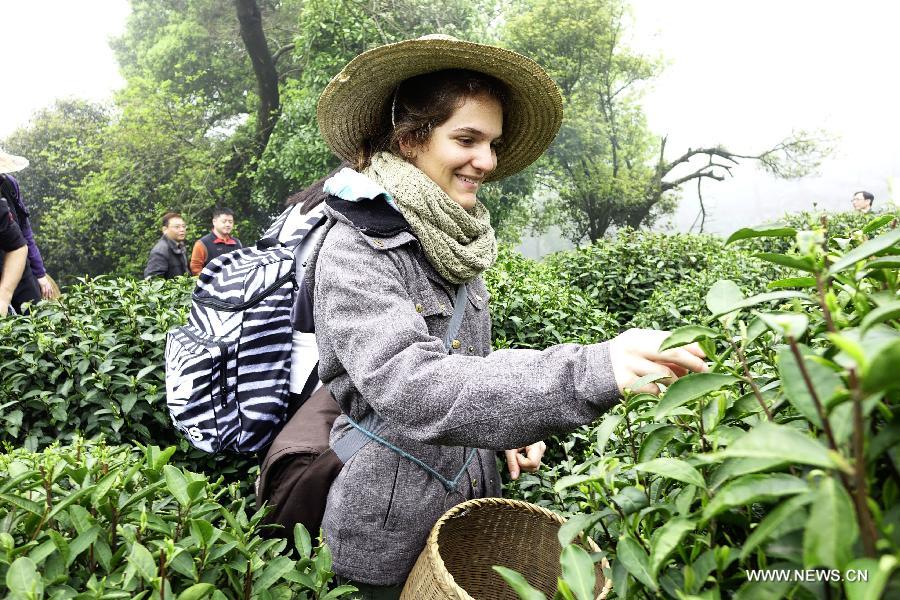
{"x": 750, "y": 489}
{"x": 771, "y": 522}
{"x": 578, "y": 571}
{"x": 197, "y": 591}
{"x": 881, "y": 373}
{"x": 878, "y": 222}
{"x": 568, "y": 481}
{"x": 655, "y": 441}
{"x": 884, "y": 262}
{"x": 760, "y": 299}
{"x": 605, "y": 430}
{"x": 786, "y": 324}
{"x": 635, "y": 561}
{"x": 722, "y": 296}
{"x": 273, "y": 572}
{"x": 177, "y": 484}
{"x": 735, "y": 467}
{"x": 885, "y": 312}
{"x": 792, "y": 282}
{"x": 666, "y": 539}
{"x": 574, "y": 525}
{"x": 768, "y": 230}
{"x": 142, "y": 561}
{"x": 630, "y": 500}
{"x": 801, "y": 263}
{"x": 878, "y": 572}
{"x": 825, "y": 382}
{"x": 689, "y": 334}
{"x": 831, "y": 529}
{"x": 302, "y": 541}
{"x": 873, "y": 246}
{"x": 23, "y": 579}
{"x": 673, "y": 468}
{"x": 779, "y": 442}
{"x": 519, "y": 584}
{"x": 689, "y": 388}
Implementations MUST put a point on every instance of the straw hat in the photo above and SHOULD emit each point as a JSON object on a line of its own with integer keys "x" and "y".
{"x": 10, "y": 163}
{"x": 356, "y": 104}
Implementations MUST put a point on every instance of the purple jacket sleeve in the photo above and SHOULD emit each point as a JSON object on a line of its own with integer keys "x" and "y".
{"x": 34, "y": 255}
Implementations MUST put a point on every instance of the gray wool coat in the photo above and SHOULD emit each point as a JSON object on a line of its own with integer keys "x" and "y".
{"x": 381, "y": 313}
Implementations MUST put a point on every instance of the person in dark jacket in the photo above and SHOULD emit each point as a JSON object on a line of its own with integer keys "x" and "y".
{"x": 168, "y": 258}
{"x": 408, "y": 242}
{"x": 13, "y": 257}
{"x": 34, "y": 283}
{"x": 217, "y": 242}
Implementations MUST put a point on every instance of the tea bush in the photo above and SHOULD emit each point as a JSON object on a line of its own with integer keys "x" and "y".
{"x": 531, "y": 307}
{"x": 87, "y": 520}
{"x": 783, "y": 459}
{"x": 620, "y": 275}
{"x": 92, "y": 363}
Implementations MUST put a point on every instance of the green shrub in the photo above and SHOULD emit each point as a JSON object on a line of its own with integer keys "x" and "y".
{"x": 620, "y": 275}
{"x": 785, "y": 455}
{"x": 532, "y": 308}
{"x": 92, "y": 363}
{"x": 681, "y": 303}
{"x": 94, "y": 521}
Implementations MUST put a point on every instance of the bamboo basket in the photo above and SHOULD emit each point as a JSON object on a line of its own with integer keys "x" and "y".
{"x": 473, "y": 536}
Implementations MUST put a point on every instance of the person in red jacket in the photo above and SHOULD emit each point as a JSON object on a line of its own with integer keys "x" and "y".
{"x": 217, "y": 242}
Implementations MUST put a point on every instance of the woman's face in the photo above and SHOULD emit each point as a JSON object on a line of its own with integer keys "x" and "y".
{"x": 461, "y": 151}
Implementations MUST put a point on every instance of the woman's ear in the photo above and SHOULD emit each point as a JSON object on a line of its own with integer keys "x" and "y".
{"x": 407, "y": 150}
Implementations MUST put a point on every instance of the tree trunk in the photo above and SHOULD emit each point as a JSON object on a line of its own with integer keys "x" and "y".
{"x": 254, "y": 39}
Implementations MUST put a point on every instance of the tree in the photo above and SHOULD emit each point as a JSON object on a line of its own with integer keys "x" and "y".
{"x": 606, "y": 169}
{"x": 63, "y": 143}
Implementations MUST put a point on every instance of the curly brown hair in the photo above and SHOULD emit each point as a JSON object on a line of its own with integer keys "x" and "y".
{"x": 424, "y": 102}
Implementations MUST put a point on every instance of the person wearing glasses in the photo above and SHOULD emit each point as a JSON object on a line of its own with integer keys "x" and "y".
{"x": 168, "y": 258}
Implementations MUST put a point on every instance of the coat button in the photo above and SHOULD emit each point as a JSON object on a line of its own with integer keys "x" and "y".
{"x": 419, "y": 308}
{"x": 378, "y": 243}
{"x": 443, "y": 308}
{"x": 477, "y": 297}
{"x": 455, "y": 344}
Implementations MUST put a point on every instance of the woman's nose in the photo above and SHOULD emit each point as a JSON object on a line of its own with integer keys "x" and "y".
{"x": 484, "y": 158}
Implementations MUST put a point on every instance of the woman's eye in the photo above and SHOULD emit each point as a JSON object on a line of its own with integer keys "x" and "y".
{"x": 465, "y": 141}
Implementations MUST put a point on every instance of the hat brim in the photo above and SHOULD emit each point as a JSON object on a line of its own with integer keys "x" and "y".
{"x": 356, "y": 103}
{"x": 10, "y": 163}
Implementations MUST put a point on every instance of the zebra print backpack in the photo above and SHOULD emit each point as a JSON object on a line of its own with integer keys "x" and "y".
{"x": 228, "y": 369}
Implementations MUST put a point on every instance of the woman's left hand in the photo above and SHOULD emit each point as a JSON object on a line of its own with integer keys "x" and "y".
{"x": 46, "y": 288}
{"x": 530, "y": 461}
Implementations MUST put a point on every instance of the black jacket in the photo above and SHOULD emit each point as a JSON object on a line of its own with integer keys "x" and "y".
{"x": 167, "y": 259}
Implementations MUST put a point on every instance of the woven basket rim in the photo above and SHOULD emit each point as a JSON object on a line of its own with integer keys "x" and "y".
{"x": 446, "y": 581}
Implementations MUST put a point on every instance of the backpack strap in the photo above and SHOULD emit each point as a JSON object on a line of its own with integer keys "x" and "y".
{"x": 368, "y": 428}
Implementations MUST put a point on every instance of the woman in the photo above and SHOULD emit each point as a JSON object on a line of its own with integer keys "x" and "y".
{"x": 35, "y": 283}
{"x": 427, "y": 122}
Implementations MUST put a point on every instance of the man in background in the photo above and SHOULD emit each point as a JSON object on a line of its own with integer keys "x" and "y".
{"x": 168, "y": 258}
{"x": 217, "y": 242}
{"x": 862, "y": 201}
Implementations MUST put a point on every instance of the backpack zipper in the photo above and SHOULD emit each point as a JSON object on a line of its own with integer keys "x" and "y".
{"x": 228, "y": 307}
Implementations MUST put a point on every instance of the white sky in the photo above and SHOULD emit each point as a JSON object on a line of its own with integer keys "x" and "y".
{"x": 743, "y": 74}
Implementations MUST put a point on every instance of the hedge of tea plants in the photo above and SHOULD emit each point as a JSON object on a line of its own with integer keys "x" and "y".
{"x": 782, "y": 463}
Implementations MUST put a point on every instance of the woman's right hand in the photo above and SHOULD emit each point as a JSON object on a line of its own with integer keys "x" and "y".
{"x": 635, "y": 353}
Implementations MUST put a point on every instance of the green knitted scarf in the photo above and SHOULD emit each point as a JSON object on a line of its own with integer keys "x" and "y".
{"x": 459, "y": 243}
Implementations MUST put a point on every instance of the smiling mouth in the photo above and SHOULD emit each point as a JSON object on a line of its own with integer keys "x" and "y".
{"x": 469, "y": 180}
